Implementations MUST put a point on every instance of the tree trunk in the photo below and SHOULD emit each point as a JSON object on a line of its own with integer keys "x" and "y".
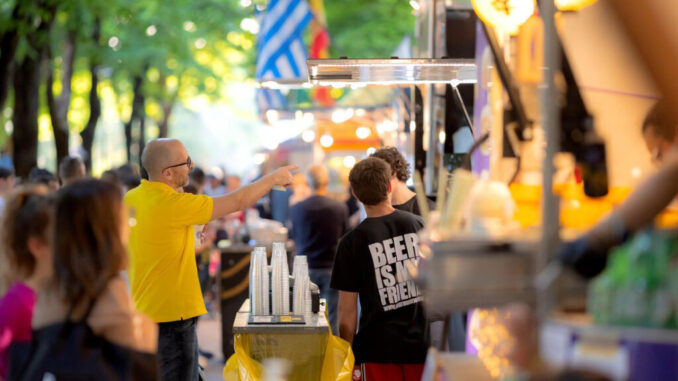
{"x": 128, "y": 138}
{"x": 136, "y": 121}
{"x": 58, "y": 107}
{"x": 142, "y": 131}
{"x": 8, "y": 44}
{"x": 167, "y": 107}
{"x": 87, "y": 133}
{"x": 27, "y": 96}
{"x": 163, "y": 127}
{"x": 25, "y": 116}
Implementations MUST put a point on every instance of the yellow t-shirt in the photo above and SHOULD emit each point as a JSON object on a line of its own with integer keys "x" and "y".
{"x": 162, "y": 269}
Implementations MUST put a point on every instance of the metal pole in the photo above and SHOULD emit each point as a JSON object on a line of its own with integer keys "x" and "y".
{"x": 429, "y": 107}
{"x": 550, "y": 121}
{"x": 455, "y": 88}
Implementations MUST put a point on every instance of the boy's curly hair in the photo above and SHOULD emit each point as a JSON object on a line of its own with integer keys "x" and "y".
{"x": 398, "y": 164}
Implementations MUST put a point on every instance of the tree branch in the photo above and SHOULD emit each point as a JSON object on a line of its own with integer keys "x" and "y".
{"x": 137, "y": 115}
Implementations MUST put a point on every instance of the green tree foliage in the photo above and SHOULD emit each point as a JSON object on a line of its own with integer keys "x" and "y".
{"x": 367, "y": 29}
{"x": 58, "y": 56}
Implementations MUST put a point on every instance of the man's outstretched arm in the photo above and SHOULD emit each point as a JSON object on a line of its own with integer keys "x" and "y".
{"x": 245, "y": 196}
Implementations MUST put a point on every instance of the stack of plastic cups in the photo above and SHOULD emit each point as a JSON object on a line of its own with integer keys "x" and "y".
{"x": 280, "y": 280}
{"x": 259, "y": 282}
{"x": 301, "y": 284}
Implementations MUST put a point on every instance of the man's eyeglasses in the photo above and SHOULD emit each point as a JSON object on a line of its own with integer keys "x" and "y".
{"x": 187, "y": 163}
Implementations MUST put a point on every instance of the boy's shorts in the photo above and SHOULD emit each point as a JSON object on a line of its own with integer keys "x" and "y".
{"x": 388, "y": 372}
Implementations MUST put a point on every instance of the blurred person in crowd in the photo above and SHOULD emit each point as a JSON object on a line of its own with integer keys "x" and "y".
{"x": 197, "y": 179}
{"x": 371, "y": 266}
{"x": 587, "y": 255}
{"x": 129, "y": 169}
{"x": 215, "y": 185}
{"x": 44, "y": 177}
{"x": 6, "y": 185}
{"x": 6, "y": 155}
{"x": 24, "y": 263}
{"x": 279, "y": 202}
{"x": 318, "y": 223}
{"x": 88, "y": 239}
{"x": 405, "y": 199}
{"x": 232, "y": 183}
{"x": 71, "y": 169}
{"x": 201, "y": 249}
{"x": 354, "y": 210}
{"x": 129, "y": 176}
{"x": 300, "y": 188}
{"x": 163, "y": 238}
{"x": 658, "y": 132}
{"x": 111, "y": 176}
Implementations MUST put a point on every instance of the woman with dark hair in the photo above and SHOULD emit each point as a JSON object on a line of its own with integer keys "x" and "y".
{"x": 88, "y": 253}
{"x": 24, "y": 263}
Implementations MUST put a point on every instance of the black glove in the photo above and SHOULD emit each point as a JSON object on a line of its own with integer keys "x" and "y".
{"x": 586, "y": 259}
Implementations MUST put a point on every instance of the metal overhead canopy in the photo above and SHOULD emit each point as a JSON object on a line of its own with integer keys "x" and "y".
{"x": 391, "y": 71}
{"x": 284, "y": 83}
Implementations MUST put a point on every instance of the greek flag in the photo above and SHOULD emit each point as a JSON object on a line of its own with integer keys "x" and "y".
{"x": 281, "y": 52}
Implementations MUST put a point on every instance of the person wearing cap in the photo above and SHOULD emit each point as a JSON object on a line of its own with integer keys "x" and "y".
{"x": 214, "y": 186}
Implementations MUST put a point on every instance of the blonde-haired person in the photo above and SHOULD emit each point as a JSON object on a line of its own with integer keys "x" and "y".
{"x": 24, "y": 261}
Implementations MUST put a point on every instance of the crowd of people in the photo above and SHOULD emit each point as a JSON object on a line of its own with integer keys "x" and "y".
{"x": 93, "y": 264}
{"x": 128, "y": 259}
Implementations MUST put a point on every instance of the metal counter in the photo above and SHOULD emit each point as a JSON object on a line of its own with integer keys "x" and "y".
{"x": 317, "y": 324}
{"x": 302, "y": 345}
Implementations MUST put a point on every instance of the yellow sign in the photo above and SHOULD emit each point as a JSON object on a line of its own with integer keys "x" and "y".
{"x": 506, "y": 15}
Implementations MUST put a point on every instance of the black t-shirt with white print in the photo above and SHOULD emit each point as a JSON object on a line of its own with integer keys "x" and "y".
{"x": 372, "y": 260}
{"x": 412, "y": 205}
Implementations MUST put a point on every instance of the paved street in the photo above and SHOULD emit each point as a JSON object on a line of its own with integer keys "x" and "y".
{"x": 209, "y": 339}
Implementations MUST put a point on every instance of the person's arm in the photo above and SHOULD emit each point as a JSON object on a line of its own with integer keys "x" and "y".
{"x": 347, "y": 314}
{"x": 245, "y": 196}
{"x": 643, "y": 205}
{"x": 588, "y": 254}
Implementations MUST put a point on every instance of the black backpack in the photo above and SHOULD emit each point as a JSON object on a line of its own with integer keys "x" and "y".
{"x": 70, "y": 351}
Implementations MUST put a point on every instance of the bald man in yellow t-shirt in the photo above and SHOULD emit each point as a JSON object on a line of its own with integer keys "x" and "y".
{"x": 162, "y": 271}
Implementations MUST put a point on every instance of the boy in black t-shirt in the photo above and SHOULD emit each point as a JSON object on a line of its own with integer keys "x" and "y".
{"x": 372, "y": 262}
{"x": 403, "y": 198}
